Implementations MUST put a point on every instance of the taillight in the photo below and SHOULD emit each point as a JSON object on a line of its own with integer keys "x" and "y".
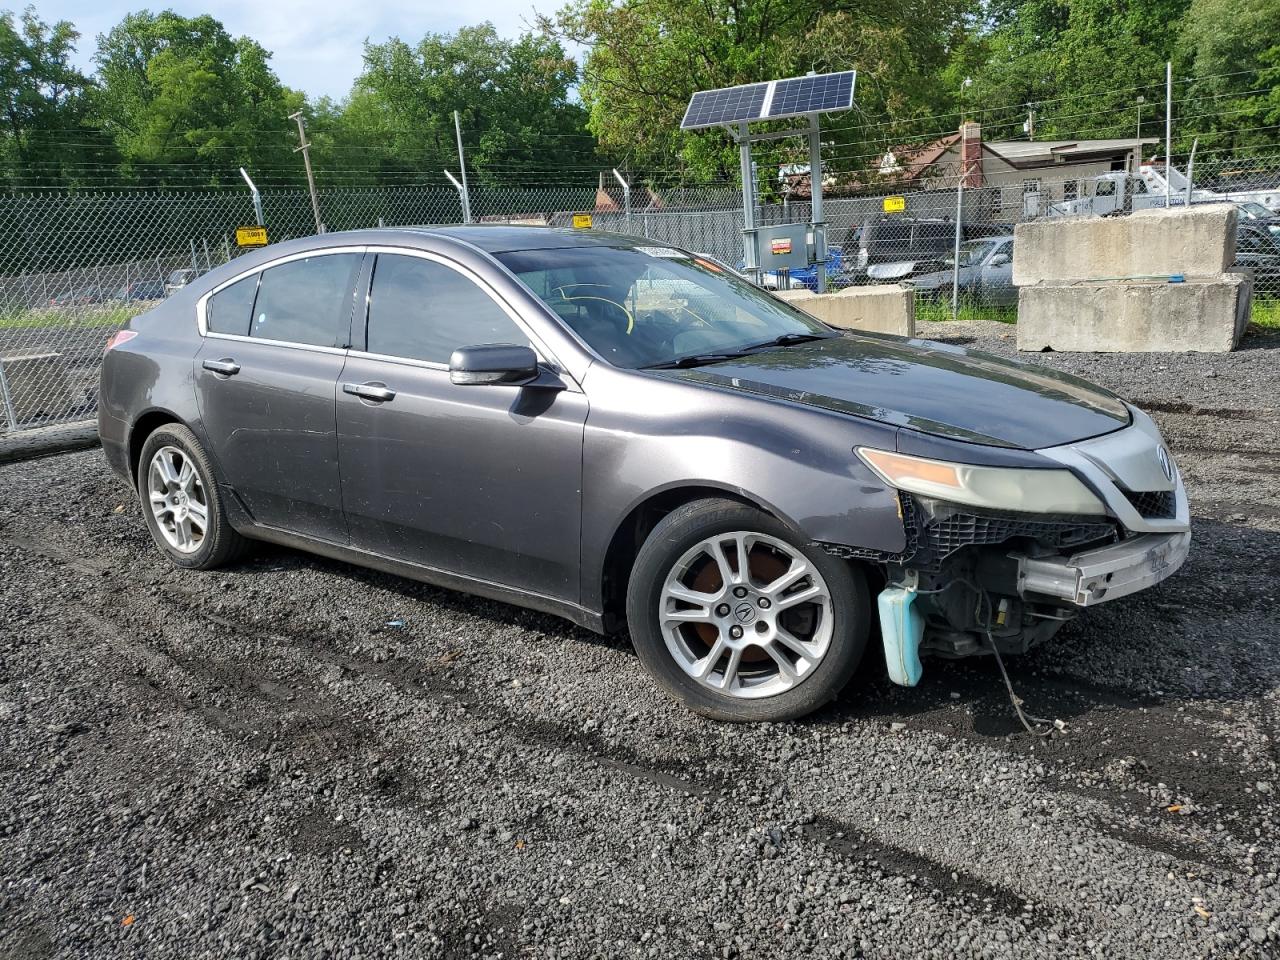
{"x": 119, "y": 337}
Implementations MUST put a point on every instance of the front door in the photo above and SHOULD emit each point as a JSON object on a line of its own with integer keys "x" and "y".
{"x": 481, "y": 481}
{"x": 266, "y": 380}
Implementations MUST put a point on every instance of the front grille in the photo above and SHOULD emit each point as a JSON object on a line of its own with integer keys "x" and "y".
{"x": 937, "y": 530}
{"x": 1153, "y": 504}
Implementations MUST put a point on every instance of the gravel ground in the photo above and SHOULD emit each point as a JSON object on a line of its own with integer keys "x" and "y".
{"x": 298, "y": 758}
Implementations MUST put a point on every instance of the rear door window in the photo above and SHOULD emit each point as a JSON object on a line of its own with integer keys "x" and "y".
{"x": 231, "y": 308}
{"x": 307, "y": 301}
{"x": 423, "y": 310}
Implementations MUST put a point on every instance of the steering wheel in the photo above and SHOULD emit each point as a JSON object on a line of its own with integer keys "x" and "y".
{"x": 561, "y": 294}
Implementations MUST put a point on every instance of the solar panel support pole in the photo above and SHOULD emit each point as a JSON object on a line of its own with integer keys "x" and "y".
{"x": 462, "y": 196}
{"x": 462, "y": 168}
{"x": 626, "y": 197}
{"x": 816, "y": 220}
{"x": 749, "y": 251}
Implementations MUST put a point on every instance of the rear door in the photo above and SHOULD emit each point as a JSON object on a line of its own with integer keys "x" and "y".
{"x": 266, "y": 381}
{"x": 481, "y": 481}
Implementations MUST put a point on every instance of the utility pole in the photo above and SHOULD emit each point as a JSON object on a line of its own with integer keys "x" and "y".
{"x": 1030, "y": 125}
{"x": 462, "y": 166}
{"x": 305, "y": 148}
{"x": 1137, "y": 139}
{"x": 1168, "y": 129}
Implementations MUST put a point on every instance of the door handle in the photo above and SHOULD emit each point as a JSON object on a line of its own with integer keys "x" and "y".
{"x": 377, "y": 392}
{"x": 226, "y": 367}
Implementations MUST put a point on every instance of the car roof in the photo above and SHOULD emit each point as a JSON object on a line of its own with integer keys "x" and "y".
{"x": 507, "y": 238}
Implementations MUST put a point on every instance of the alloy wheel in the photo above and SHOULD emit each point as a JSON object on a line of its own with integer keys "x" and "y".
{"x": 177, "y": 498}
{"x": 746, "y": 615}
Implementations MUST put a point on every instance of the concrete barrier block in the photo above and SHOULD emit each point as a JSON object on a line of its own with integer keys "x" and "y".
{"x": 879, "y": 309}
{"x": 1198, "y": 241}
{"x": 1200, "y": 315}
{"x": 33, "y": 386}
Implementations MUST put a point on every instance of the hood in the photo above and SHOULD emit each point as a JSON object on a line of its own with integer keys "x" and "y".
{"x": 921, "y": 385}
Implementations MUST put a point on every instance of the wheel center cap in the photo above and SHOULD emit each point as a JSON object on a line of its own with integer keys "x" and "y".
{"x": 744, "y": 612}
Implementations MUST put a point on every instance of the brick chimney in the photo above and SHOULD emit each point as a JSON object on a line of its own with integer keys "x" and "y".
{"x": 971, "y": 152}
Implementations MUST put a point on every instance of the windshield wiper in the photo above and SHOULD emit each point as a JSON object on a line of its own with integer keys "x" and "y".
{"x": 693, "y": 360}
{"x": 788, "y": 339}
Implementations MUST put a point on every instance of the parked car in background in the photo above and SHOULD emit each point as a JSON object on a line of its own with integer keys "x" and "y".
{"x": 79, "y": 296}
{"x": 141, "y": 290}
{"x": 807, "y": 277}
{"x": 630, "y": 436}
{"x": 1257, "y": 215}
{"x": 898, "y": 239}
{"x": 986, "y": 272}
{"x": 179, "y": 279}
{"x": 1259, "y": 250}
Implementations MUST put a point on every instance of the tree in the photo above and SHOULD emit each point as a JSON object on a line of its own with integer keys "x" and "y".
{"x": 647, "y": 57}
{"x": 1081, "y": 63}
{"x": 513, "y": 98}
{"x": 181, "y": 97}
{"x": 43, "y": 139}
{"x": 1231, "y": 50}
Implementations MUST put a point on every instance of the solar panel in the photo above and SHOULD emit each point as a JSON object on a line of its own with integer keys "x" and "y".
{"x": 822, "y": 94}
{"x": 709, "y": 108}
{"x": 777, "y": 98}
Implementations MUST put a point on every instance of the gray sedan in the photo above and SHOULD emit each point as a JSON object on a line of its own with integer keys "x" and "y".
{"x": 630, "y": 436}
{"x": 986, "y": 271}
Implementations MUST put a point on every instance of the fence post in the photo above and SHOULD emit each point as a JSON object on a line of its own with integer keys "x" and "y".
{"x": 195, "y": 264}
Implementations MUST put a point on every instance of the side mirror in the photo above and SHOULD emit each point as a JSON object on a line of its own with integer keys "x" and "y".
{"x": 493, "y": 363}
{"x": 999, "y": 260}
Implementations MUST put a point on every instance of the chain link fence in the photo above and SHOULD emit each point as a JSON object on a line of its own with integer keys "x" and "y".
{"x": 75, "y": 266}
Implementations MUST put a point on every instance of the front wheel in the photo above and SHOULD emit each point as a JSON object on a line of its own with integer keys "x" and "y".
{"x": 740, "y": 619}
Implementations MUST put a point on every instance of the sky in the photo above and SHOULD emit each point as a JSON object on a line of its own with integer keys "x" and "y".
{"x": 316, "y": 45}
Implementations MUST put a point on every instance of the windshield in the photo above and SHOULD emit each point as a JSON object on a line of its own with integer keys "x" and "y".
{"x": 647, "y": 306}
{"x": 971, "y": 252}
{"x": 1256, "y": 211}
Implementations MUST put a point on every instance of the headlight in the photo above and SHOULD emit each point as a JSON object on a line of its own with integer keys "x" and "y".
{"x": 996, "y": 488}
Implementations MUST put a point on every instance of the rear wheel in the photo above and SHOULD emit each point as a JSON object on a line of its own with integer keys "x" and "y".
{"x": 182, "y": 503}
{"x": 740, "y": 619}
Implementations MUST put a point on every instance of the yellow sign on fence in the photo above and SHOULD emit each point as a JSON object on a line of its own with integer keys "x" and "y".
{"x": 251, "y": 236}
{"x": 895, "y": 204}
{"x": 582, "y": 221}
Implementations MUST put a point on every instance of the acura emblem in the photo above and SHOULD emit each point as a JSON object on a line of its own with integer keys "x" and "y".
{"x": 1166, "y": 463}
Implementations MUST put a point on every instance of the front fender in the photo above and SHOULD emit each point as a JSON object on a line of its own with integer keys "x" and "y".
{"x": 796, "y": 462}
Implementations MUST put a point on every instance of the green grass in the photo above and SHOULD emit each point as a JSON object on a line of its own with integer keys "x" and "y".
{"x": 931, "y": 309}
{"x": 1266, "y": 314}
{"x": 88, "y": 316}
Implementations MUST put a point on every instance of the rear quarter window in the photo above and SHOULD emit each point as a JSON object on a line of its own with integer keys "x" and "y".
{"x": 231, "y": 308}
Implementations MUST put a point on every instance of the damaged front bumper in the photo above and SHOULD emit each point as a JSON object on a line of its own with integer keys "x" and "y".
{"x": 1107, "y": 573}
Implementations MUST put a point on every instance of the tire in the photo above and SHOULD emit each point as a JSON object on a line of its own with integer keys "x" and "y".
{"x": 679, "y": 631}
{"x": 173, "y": 459}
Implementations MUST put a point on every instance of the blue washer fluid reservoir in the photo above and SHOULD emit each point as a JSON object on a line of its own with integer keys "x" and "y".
{"x": 902, "y": 628}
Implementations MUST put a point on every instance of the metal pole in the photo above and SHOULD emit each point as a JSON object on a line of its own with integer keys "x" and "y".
{"x": 462, "y": 196}
{"x": 748, "y": 206}
{"x": 305, "y": 148}
{"x": 955, "y": 255}
{"x": 626, "y": 197}
{"x": 257, "y": 198}
{"x": 818, "y": 225}
{"x": 208, "y": 263}
{"x": 462, "y": 166}
{"x": 1168, "y": 129}
{"x": 194, "y": 264}
{"x": 1191, "y": 163}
